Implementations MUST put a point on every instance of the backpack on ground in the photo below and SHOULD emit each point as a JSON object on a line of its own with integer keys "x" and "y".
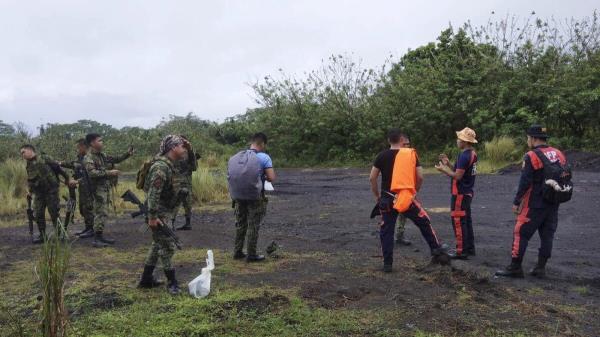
{"x": 244, "y": 176}
{"x": 558, "y": 184}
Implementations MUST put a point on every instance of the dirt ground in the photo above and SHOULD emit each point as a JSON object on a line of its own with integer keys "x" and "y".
{"x": 321, "y": 217}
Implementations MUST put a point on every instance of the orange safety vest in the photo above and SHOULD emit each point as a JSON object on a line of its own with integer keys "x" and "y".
{"x": 404, "y": 178}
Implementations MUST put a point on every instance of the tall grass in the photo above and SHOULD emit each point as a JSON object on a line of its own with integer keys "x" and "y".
{"x": 52, "y": 268}
{"x": 499, "y": 153}
{"x": 13, "y": 187}
{"x": 209, "y": 186}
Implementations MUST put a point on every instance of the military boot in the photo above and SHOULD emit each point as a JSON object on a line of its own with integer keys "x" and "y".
{"x": 255, "y": 258}
{"x": 187, "y": 226}
{"x": 148, "y": 280}
{"x": 539, "y": 270}
{"x": 513, "y": 270}
{"x": 40, "y": 238}
{"x": 88, "y": 232}
{"x": 172, "y": 285}
{"x": 402, "y": 240}
{"x": 99, "y": 240}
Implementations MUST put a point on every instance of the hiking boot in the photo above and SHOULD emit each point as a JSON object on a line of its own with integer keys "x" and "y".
{"x": 88, "y": 233}
{"x": 40, "y": 238}
{"x": 148, "y": 280}
{"x": 99, "y": 241}
{"x": 513, "y": 270}
{"x": 401, "y": 240}
{"x": 456, "y": 256}
{"x": 539, "y": 270}
{"x": 255, "y": 258}
{"x": 471, "y": 252}
{"x": 172, "y": 284}
{"x": 239, "y": 256}
{"x": 187, "y": 226}
{"x": 387, "y": 268}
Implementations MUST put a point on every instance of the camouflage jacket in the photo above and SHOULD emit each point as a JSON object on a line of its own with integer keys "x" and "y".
{"x": 97, "y": 163}
{"x": 42, "y": 174}
{"x": 79, "y": 172}
{"x": 159, "y": 187}
{"x": 184, "y": 169}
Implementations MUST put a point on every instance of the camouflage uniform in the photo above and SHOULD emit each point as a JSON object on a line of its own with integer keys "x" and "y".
{"x": 249, "y": 216}
{"x": 43, "y": 183}
{"x": 400, "y": 225}
{"x": 96, "y": 165}
{"x": 160, "y": 196}
{"x": 85, "y": 195}
{"x": 183, "y": 184}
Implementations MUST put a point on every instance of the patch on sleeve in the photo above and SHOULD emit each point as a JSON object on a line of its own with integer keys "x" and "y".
{"x": 157, "y": 183}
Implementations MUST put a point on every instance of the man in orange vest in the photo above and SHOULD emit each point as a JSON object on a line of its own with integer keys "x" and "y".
{"x": 385, "y": 164}
{"x": 463, "y": 181}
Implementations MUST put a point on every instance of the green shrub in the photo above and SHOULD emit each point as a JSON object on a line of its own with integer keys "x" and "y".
{"x": 13, "y": 186}
{"x": 209, "y": 186}
{"x": 501, "y": 149}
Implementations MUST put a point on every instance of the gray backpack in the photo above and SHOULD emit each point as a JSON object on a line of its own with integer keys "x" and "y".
{"x": 243, "y": 176}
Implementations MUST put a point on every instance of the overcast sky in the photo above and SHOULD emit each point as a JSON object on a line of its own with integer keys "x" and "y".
{"x": 135, "y": 62}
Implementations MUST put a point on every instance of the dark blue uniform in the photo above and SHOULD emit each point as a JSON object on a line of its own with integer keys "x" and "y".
{"x": 535, "y": 213}
{"x": 460, "y": 204}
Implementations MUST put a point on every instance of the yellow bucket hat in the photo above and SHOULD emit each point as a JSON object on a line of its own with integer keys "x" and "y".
{"x": 467, "y": 135}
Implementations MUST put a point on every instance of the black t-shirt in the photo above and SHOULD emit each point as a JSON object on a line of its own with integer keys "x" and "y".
{"x": 385, "y": 163}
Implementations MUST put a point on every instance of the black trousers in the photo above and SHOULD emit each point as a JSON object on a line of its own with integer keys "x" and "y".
{"x": 462, "y": 223}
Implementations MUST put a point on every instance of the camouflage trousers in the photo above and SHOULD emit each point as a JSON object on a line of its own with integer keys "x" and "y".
{"x": 184, "y": 200}
{"x": 86, "y": 205}
{"x": 163, "y": 248}
{"x": 249, "y": 216}
{"x": 101, "y": 203}
{"x": 43, "y": 200}
{"x": 400, "y": 225}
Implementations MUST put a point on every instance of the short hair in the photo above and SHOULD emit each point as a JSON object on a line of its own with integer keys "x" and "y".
{"x": 394, "y": 135}
{"x": 27, "y": 146}
{"x": 81, "y": 141}
{"x": 259, "y": 138}
{"x": 90, "y": 137}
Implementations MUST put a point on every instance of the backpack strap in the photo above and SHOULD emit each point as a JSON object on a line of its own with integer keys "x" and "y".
{"x": 542, "y": 157}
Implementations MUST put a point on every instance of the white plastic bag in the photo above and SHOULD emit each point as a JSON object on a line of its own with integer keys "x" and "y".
{"x": 200, "y": 286}
{"x": 269, "y": 187}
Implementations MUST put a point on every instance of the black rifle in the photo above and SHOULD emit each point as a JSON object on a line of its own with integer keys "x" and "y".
{"x": 71, "y": 203}
{"x": 30, "y": 215}
{"x": 143, "y": 210}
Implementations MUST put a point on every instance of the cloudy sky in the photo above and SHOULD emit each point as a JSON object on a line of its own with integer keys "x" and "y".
{"x": 135, "y": 62}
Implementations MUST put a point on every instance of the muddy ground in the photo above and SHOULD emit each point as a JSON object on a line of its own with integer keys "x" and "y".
{"x": 320, "y": 218}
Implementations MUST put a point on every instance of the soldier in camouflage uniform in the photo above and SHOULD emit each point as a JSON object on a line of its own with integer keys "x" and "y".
{"x": 96, "y": 164}
{"x": 43, "y": 185}
{"x": 183, "y": 187}
{"x": 160, "y": 197}
{"x": 85, "y": 195}
{"x": 249, "y": 214}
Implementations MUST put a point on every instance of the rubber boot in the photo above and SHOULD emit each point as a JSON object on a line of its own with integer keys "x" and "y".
{"x": 387, "y": 268}
{"x": 440, "y": 255}
{"x": 513, "y": 270}
{"x": 148, "y": 280}
{"x": 172, "y": 285}
{"x": 456, "y": 256}
{"x": 539, "y": 270}
{"x": 239, "y": 255}
{"x": 99, "y": 241}
{"x": 188, "y": 224}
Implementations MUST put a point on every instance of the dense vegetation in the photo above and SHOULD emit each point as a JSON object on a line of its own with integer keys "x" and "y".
{"x": 497, "y": 78}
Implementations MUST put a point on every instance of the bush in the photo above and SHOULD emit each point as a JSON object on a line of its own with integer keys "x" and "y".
{"x": 501, "y": 149}
{"x": 209, "y": 186}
